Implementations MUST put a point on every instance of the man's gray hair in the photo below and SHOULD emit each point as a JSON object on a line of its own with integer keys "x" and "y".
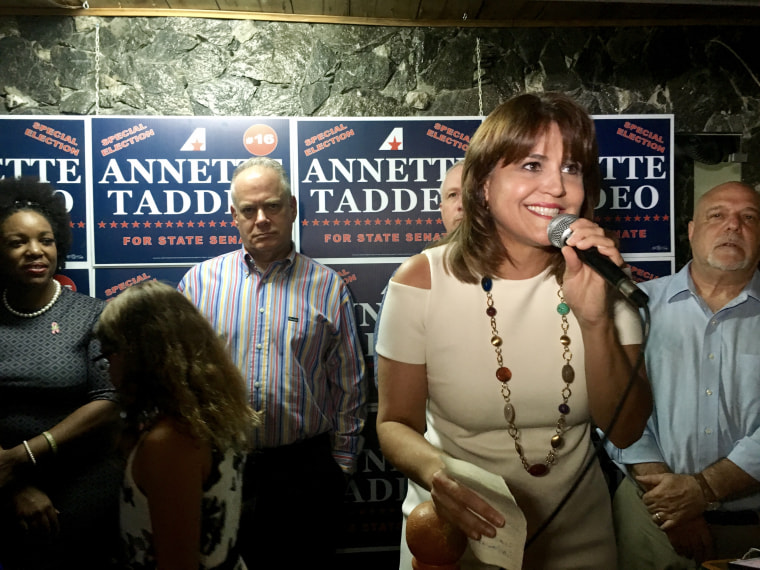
{"x": 459, "y": 162}
{"x": 264, "y": 162}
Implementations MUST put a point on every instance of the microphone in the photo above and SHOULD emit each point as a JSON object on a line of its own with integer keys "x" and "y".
{"x": 559, "y": 232}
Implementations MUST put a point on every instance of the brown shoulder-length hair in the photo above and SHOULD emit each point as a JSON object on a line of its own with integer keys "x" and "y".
{"x": 508, "y": 134}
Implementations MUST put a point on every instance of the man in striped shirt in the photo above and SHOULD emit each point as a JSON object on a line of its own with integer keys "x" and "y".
{"x": 290, "y": 326}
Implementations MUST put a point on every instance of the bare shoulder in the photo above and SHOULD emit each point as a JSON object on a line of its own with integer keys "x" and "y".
{"x": 168, "y": 435}
{"x": 414, "y": 272}
{"x": 167, "y": 448}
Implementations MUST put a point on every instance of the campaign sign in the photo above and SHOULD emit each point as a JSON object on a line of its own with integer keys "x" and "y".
{"x": 161, "y": 184}
{"x": 373, "y": 500}
{"x": 647, "y": 269}
{"x": 369, "y": 187}
{"x": 367, "y": 283}
{"x": 51, "y": 149}
{"x": 77, "y": 280}
{"x": 636, "y": 163}
{"x": 376, "y": 491}
{"x": 109, "y": 282}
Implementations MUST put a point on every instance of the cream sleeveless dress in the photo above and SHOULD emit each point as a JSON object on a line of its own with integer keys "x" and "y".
{"x": 447, "y": 329}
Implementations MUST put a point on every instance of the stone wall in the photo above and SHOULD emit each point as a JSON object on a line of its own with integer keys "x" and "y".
{"x": 706, "y": 76}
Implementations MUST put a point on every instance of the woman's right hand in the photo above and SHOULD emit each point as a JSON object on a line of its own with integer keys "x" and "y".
{"x": 35, "y": 512}
{"x": 461, "y": 506}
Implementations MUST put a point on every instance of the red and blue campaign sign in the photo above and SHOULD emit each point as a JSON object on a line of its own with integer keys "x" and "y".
{"x": 647, "y": 269}
{"x": 161, "y": 184}
{"x": 376, "y": 490}
{"x": 75, "y": 279}
{"x": 53, "y": 150}
{"x": 367, "y": 283}
{"x": 370, "y": 187}
{"x": 109, "y": 282}
{"x": 636, "y": 163}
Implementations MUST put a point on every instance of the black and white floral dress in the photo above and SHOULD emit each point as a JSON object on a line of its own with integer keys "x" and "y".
{"x": 220, "y": 517}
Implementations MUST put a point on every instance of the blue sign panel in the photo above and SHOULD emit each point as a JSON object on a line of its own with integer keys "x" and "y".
{"x": 635, "y": 159}
{"x": 52, "y": 150}
{"x": 161, "y": 184}
{"x": 109, "y": 282}
{"x": 75, "y": 279}
{"x": 375, "y": 493}
{"x": 645, "y": 270}
{"x": 367, "y": 283}
{"x": 370, "y": 187}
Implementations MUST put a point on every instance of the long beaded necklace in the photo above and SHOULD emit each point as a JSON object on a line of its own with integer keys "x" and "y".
{"x": 35, "y": 313}
{"x": 504, "y": 375}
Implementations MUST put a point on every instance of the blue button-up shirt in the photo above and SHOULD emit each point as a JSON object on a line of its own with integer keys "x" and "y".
{"x": 704, "y": 368}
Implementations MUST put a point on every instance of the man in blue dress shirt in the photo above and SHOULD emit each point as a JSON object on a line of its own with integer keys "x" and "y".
{"x": 693, "y": 491}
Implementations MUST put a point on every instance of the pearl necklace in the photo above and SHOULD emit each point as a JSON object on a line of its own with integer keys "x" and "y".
{"x": 35, "y": 313}
{"x": 504, "y": 375}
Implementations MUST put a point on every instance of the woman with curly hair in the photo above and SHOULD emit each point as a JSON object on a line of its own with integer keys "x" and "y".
{"x": 187, "y": 411}
{"x": 59, "y": 471}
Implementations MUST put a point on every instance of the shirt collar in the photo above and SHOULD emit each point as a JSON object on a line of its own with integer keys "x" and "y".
{"x": 682, "y": 282}
{"x": 278, "y": 265}
{"x": 753, "y": 287}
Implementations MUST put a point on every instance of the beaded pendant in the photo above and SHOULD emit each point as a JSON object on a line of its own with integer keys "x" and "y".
{"x": 504, "y": 375}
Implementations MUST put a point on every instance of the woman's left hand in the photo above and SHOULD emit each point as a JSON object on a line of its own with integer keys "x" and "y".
{"x": 464, "y": 508}
{"x": 585, "y": 289}
{"x": 35, "y": 512}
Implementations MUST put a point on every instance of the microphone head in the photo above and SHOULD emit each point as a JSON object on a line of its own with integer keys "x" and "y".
{"x": 559, "y": 229}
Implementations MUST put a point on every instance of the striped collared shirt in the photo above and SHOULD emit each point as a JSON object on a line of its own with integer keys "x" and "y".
{"x": 292, "y": 332}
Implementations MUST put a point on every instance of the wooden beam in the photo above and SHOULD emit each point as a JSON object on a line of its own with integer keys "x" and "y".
{"x": 735, "y": 19}
{"x": 193, "y": 4}
{"x": 128, "y": 4}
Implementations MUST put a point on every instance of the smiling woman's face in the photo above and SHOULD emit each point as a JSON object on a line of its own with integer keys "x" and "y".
{"x": 523, "y": 196}
{"x": 28, "y": 252}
